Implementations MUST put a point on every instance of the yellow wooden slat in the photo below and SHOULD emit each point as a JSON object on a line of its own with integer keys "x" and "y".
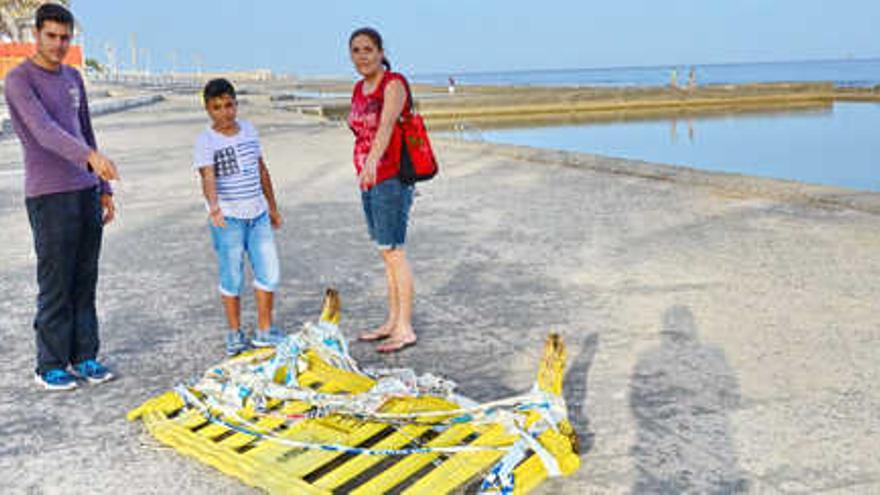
{"x": 306, "y": 431}
{"x": 294, "y": 407}
{"x": 165, "y": 403}
{"x": 532, "y": 472}
{"x": 239, "y": 439}
{"x": 310, "y": 461}
{"x": 306, "y": 380}
{"x": 215, "y": 429}
{"x": 420, "y": 404}
{"x": 262, "y": 424}
{"x": 212, "y": 431}
{"x": 266, "y": 423}
{"x": 250, "y": 471}
{"x": 313, "y": 459}
{"x": 396, "y": 440}
{"x": 335, "y": 429}
{"x": 529, "y": 474}
{"x": 361, "y": 463}
{"x": 190, "y": 418}
{"x": 559, "y": 446}
{"x": 342, "y": 380}
{"x": 463, "y": 466}
{"x": 413, "y": 463}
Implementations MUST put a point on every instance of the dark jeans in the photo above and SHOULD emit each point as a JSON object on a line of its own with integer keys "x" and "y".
{"x": 67, "y": 229}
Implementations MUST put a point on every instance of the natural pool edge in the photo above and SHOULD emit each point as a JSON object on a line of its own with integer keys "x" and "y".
{"x": 731, "y": 184}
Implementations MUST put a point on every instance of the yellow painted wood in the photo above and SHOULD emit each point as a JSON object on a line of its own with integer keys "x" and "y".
{"x": 190, "y": 418}
{"x": 532, "y": 471}
{"x": 279, "y": 468}
{"x": 330, "y": 308}
{"x": 313, "y": 459}
{"x": 264, "y": 466}
{"x": 306, "y": 379}
{"x": 413, "y": 463}
{"x": 266, "y": 423}
{"x": 461, "y": 467}
{"x": 306, "y": 431}
{"x": 213, "y": 430}
{"x": 166, "y": 403}
{"x": 552, "y": 366}
{"x": 361, "y": 463}
{"x": 238, "y": 439}
{"x": 529, "y": 474}
{"x": 343, "y": 380}
{"x": 294, "y": 407}
{"x": 559, "y": 447}
{"x": 261, "y": 475}
{"x": 420, "y": 404}
{"x": 558, "y": 444}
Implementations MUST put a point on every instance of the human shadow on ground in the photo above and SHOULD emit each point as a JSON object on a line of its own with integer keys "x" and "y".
{"x": 681, "y": 394}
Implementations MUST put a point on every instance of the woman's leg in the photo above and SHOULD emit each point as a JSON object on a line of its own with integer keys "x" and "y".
{"x": 402, "y": 333}
{"x": 387, "y": 206}
{"x": 392, "y": 286}
{"x": 393, "y": 301}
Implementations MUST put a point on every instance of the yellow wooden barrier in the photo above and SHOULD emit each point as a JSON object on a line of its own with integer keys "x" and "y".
{"x": 249, "y": 445}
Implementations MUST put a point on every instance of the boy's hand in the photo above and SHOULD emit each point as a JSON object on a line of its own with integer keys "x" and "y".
{"x": 275, "y": 218}
{"x": 217, "y": 217}
{"x": 102, "y": 166}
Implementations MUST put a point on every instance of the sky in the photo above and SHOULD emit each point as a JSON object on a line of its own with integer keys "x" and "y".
{"x": 455, "y": 36}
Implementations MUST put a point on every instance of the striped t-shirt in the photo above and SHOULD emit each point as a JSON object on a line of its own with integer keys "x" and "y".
{"x": 236, "y": 162}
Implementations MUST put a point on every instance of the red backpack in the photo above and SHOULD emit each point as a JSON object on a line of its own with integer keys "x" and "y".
{"x": 417, "y": 161}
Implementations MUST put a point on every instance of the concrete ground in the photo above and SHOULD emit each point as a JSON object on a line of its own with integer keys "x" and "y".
{"x": 720, "y": 341}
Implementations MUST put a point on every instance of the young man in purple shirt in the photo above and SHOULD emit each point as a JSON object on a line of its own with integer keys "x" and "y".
{"x": 68, "y": 202}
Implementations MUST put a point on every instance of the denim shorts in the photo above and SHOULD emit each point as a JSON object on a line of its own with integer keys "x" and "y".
{"x": 252, "y": 236}
{"x": 386, "y": 207}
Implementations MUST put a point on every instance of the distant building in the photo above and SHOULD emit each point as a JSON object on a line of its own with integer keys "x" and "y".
{"x": 16, "y": 35}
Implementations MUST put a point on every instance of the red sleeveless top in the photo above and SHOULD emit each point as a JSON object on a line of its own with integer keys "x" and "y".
{"x": 364, "y": 118}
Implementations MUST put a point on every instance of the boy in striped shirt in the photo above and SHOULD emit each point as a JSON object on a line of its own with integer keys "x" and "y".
{"x": 242, "y": 213}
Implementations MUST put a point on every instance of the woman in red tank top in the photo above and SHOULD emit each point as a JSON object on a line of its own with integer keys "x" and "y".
{"x": 376, "y": 104}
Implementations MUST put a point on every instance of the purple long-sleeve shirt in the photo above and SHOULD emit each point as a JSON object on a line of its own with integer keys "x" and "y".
{"x": 50, "y": 114}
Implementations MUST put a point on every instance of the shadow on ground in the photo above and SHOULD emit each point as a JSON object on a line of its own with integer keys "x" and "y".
{"x": 681, "y": 394}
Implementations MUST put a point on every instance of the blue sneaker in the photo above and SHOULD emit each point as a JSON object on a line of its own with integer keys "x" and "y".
{"x": 92, "y": 371}
{"x": 266, "y": 338}
{"x": 56, "y": 379}
{"x": 236, "y": 342}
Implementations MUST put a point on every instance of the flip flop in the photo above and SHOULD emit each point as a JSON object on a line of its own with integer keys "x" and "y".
{"x": 395, "y": 345}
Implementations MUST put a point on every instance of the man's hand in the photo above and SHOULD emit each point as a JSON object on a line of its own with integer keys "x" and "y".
{"x": 103, "y": 166}
{"x": 108, "y": 207}
{"x": 275, "y": 218}
{"x": 217, "y": 217}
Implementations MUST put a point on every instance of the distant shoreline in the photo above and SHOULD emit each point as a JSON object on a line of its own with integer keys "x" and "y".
{"x": 536, "y": 105}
